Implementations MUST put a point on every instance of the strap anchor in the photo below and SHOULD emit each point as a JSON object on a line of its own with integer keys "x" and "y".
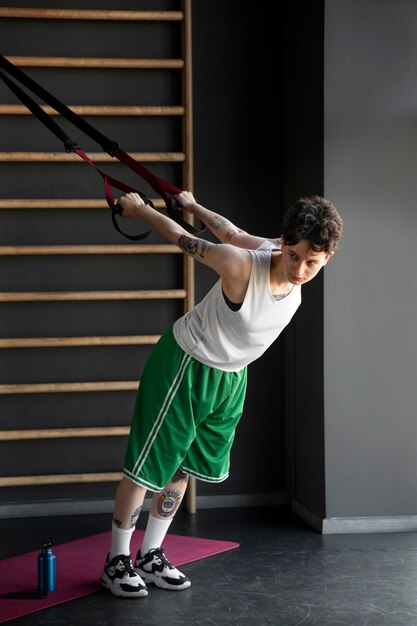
{"x": 70, "y": 145}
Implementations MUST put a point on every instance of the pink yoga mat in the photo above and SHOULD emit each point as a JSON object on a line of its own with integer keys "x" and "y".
{"x": 79, "y": 567}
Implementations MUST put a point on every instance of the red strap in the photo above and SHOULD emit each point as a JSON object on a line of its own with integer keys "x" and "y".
{"x": 162, "y": 187}
{"x": 159, "y": 185}
{"x": 108, "y": 182}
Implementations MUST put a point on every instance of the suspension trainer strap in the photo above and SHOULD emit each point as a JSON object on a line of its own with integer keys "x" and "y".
{"x": 109, "y": 181}
{"x": 71, "y": 146}
{"x": 39, "y": 113}
{"x": 160, "y": 186}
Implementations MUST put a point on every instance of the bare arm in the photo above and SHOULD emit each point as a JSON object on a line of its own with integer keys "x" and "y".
{"x": 229, "y": 263}
{"x": 221, "y": 227}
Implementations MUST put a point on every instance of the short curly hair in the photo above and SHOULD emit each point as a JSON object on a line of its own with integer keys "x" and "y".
{"x": 316, "y": 220}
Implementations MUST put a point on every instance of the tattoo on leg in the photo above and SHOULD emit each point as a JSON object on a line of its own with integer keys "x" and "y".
{"x": 178, "y": 476}
{"x": 168, "y": 502}
{"x": 135, "y": 516}
{"x": 117, "y": 522}
{"x": 194, "y": 246}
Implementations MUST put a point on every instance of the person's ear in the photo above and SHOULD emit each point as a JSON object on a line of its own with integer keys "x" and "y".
{"x": 328, "y": 257}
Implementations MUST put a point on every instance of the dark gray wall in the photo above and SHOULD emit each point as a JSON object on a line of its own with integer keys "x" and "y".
{"x": 370, "y": 356}
{"x": 238, "y": 64}
{"x": 304, "y": 176}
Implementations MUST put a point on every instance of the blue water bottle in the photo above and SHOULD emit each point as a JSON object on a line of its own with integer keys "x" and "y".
{"x": 46, "y": 569}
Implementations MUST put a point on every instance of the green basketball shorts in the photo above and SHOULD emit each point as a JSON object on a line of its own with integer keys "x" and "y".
{"x": 184, "y": 418}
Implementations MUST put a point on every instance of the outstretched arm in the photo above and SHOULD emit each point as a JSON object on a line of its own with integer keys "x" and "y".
{"x": 230, "y": 263}
{"x": 221, "y": 227}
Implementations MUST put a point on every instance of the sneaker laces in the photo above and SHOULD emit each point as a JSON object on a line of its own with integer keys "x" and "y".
{"x": 159, "y": 553}
{"x": 127, "y": 563}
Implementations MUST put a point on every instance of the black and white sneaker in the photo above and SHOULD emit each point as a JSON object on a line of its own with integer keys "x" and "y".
{"x": 121, "y": 579}
{"x": 155, "y": 568}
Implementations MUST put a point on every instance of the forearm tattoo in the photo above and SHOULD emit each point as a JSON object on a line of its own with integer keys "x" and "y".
{"x": 135, "y": 517}
{"x": 217, "y": 222}
{"x": 194, "y": 246}
{"x": 117, "y": 522}
{"x": 169, "y": 501}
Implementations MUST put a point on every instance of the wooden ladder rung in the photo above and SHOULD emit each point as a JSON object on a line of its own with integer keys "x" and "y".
{"x": 60, "y": 203}
{"x": 65, "y": 342}
{"x": 96, "y": 62}
{"x": 91, "y": 14}
{"x": 59, "y": 479}
{"x": 17, "y": 389}
{"x": 88, "y": 249}
{"x": 98, "y": 157}
{"x": 63, "y": 433}
{"x": 20, "y": 109}
{"x": 80, "y": 296}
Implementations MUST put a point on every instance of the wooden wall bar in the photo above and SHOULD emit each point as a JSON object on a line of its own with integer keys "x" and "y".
{"x": 90, "y": 14}
{"x": 185, "y": 292}
{"x": 84, "y": 111}
{"x": 59, "y": 433}
{"x": 88, "y": 249}
{"x": 98, "y": 157}
{"x": 99, "y": 62}
{"x": 61, "y": 203}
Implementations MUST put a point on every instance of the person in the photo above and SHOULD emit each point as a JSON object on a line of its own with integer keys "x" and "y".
{"x": 192, "y": 389}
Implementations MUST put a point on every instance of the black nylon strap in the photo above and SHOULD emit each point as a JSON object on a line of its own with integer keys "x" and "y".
{"x": 111, "y": 147}
{"x": 39, "y": 113}
{"x": 70, "y": 144}
{"x": 107, "y": 144}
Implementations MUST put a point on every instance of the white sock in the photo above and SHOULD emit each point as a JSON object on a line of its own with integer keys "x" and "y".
{"x": 155, "y": 532}
{"x": 120, "y": 541}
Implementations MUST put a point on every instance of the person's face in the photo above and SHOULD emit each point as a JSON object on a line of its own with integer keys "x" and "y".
{"x": 300, "y": 263}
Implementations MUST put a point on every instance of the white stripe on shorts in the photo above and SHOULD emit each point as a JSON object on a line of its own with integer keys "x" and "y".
{"x": 208, "y": 479}
{"x": 162, "y": 414}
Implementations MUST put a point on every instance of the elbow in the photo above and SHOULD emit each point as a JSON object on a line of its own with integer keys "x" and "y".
{"x": 233, "y": 236}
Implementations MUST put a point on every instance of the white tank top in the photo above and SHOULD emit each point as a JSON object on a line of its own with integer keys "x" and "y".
{"x": 229, "y": 340}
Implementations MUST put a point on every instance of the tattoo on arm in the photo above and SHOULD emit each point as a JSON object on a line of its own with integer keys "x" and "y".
{"x": 117, "y": 522}
{"x": 217, "y": 222}
{"x": 134, "y": 517}
{"x": 194, "y": 246}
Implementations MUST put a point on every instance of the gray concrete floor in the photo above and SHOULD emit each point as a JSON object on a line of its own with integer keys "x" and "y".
{"x": 284, "y": 573}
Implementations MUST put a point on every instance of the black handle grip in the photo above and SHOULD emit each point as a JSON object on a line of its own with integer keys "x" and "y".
{"x": 174, "y": 210}
{"x": 117, "y": 208}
